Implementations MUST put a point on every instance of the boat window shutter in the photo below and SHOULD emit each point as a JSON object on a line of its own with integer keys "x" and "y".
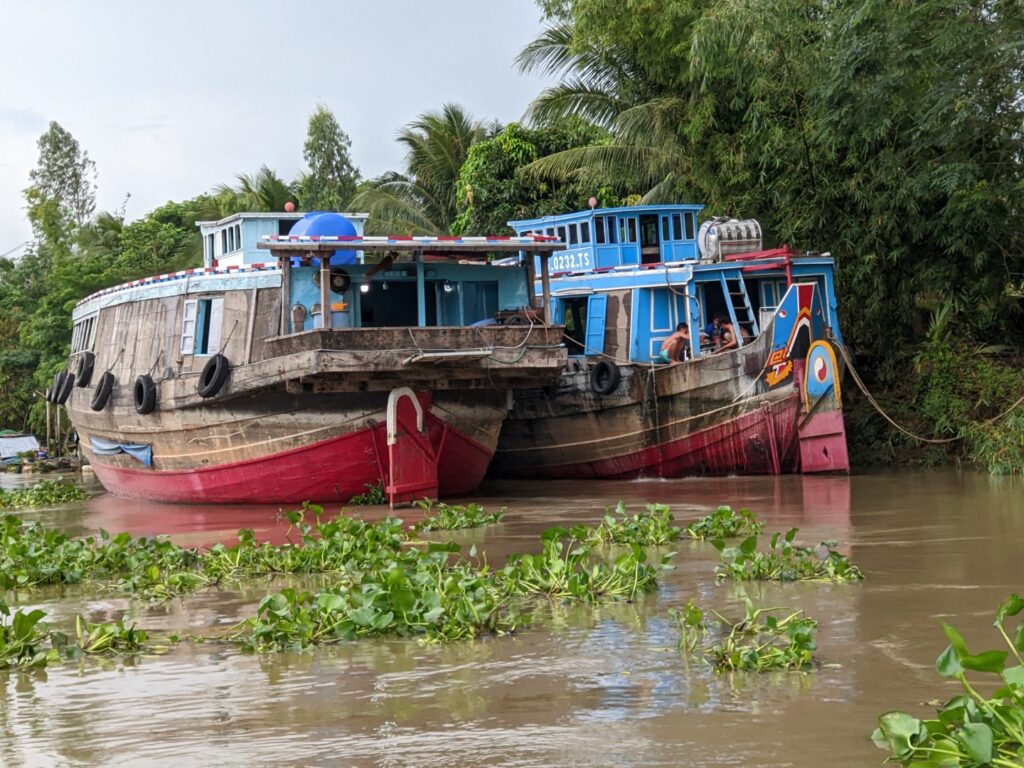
{"x": 597, "y": 312}
{"x": 188, "y": 327}
{"x": 216, "y": 321}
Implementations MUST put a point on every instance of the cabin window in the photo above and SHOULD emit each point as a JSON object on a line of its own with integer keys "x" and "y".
{"x": 224, "y": 241}
{"x": 209, "y": 246}
{"x": 573, "y": 235}
{"x": 550, "y": 231}
{"x": 562, "y": 235}
{"x": 599, "y": 230}
{"x": 238, "y": 237}
{"x": 201, "y": 326}
{"x": 584, "y": 231}
{"x": 677, "y": 226}
{"x": 612, "y": 237}
{"x": 666, "y": 233}
{"x": 83, "y": 336}
{"x": 688, "y": 218}
{"x": 627, "y": 230}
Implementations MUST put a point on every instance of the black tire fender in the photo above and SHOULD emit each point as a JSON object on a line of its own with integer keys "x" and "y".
{"x": 604, "y": 377}
{"x": 101, "y": 396}
{"x": 55, "y": 386}
{"x": 86, "y": 363}
{"x": 145, "y": 394}
{"x": 213, "y": 376}
{"x": 67, "y": 383}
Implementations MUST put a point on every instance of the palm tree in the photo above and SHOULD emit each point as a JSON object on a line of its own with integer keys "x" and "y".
{"x": 262, "y": 191}
{"x": 422, "y": 199}
{"x": 605, "y": 86}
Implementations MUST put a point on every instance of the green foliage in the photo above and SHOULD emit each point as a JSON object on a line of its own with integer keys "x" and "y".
{"x": 26, "y": 640}
{"x": 332, "y": 177}
{"x": 23, "y": 638}
{"x": 45, "y": 493}
{"x": 759, "y": 642}
{"x": 492, "y": 190}
{"x": 691, "y": 625}
{"x": 725, "y": 523}
{"x": 374, "y": 495}
{"x": 887, "y": 133}
{"x": 262, "y": 191}
{"x": 567, "y": 569}
{"x": 653, "y": 527}
{"x": 784, "y": 562}
{"x": 970, "y": 729}
{"x": 422, "y": 199}
{"x": 453, "y": 517}
{"x": 62, "y": 194}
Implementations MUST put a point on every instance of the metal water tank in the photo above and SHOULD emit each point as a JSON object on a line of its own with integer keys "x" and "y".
{"x": 723, "y": 237}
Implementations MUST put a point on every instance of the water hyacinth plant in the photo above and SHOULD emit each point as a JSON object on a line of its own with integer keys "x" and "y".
{"x": 566, "y": 568}
{"x": 43, "y": 494}
{"x": 373, "y": 496}
{"x": 971, "y": 730}
{"x": 652, "y": 527}
{"x": 784, "y": 561}
{"x": 725, "y": 523}
{"x": 759, "y": 642}
{"x": 26, "y": 640}
{"x": 454, "y": 517}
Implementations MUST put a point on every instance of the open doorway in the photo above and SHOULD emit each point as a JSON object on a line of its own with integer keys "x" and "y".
{"x": 650, "y": 244}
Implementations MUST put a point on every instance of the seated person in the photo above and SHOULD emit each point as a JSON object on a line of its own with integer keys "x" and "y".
{"x": 676, "y": 347}
{"x": 728, "y": 337}
{"x": 711, "y": 334}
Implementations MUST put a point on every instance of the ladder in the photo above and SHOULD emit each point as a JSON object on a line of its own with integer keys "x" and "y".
{"x": 740, "y": 311}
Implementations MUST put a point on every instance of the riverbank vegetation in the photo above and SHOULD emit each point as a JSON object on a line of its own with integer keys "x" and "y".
{"x": 885, "y": 133}
{"x": 971, "y": 729}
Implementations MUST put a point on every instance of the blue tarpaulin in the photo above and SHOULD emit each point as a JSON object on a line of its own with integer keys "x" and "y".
{"x": 101, "y": 447}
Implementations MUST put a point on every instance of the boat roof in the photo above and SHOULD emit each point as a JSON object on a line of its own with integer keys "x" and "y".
{"x": 278, "y": 215}
{"x": 622, "y": 209}
{"x": 443, "y": 245}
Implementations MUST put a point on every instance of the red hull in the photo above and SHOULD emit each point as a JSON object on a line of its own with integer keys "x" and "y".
{"x": 756, "y": 442}
{"x": 331, "y": 470}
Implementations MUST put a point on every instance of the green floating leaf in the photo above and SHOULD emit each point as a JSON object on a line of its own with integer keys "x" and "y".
{"x": 989, "y": 661}
{"x": 901, "y": 732}
{"x": 956, "y": 640}
{"x": 976, "y": 740}
{"x": 948, "y": 665}
{"x": 1011, "y": 606}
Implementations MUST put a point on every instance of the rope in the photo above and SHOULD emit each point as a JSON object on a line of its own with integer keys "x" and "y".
{"x": 939, "y": 441}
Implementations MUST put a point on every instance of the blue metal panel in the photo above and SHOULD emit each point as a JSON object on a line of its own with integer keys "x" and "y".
{"x": 597, "y": 315}
{"x": 641, "y": 327}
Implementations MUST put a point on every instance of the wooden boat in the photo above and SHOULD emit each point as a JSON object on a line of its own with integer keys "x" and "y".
{"x": 272, "y": 375}
{"x": 624, "y": 280}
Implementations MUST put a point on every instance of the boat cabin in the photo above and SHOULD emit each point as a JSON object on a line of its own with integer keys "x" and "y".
{"x": 233, "y": 240}
{"x": 628, "y": 276}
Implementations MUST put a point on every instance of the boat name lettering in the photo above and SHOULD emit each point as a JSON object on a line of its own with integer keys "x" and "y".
{"x": 564, "y": 262}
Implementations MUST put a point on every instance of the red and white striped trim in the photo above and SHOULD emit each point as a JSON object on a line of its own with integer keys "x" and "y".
{"x": 183, "y": 274}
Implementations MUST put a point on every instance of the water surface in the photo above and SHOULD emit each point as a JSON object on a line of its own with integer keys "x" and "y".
{"x": 583, "y": 686}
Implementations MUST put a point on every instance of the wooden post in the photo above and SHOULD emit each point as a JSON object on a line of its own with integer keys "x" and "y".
{"x": 531, "y": 278}
{"x": 545, "y": 283}
{"x": 325, "y": 289}
{"x": 421, "y": 294}
{"x": 56, "y": 445}
{"x": 286, "y": 295}
{"x": 47, "y": 425}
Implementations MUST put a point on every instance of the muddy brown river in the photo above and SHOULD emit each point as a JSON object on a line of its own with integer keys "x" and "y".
{"x": 601, "y": 686}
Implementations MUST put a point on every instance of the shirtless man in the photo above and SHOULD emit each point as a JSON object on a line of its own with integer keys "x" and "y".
{"x": 676, "y": 347}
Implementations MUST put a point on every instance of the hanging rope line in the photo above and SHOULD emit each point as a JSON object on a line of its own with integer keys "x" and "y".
{"x": 899, "y": 427}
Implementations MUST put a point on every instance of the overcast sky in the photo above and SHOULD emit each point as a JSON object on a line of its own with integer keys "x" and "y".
{"x": 172, "y": 98}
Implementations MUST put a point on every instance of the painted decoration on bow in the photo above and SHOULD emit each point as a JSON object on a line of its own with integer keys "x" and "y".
{"x": 797, "y": 324}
